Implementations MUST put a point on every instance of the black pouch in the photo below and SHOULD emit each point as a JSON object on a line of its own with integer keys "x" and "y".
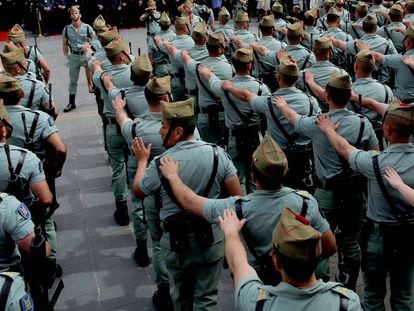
{"x": 18, "y": 187}
{"x": 300, "y": 166}
{"x": 247, "y": 140}
{"x": 213, "y": 116}
{"x": 397, "y": 237}
{"x": 99, "y": 101}
{"x": 177, "y": 226}
{"x": 203, "y": 231}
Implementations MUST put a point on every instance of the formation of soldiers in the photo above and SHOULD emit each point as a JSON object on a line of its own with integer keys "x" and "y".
{"x": 219, "y": 127}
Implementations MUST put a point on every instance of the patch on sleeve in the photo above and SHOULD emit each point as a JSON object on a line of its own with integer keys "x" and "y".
{"x": 51, "y": 121}
{"x": 23, "y": 211}
{"x": 261, "y": 295}
{"x": 26, "y": 303}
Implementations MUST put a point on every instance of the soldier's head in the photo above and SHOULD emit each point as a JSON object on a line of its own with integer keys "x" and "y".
{"x": 338, "y": 90}
{"x": 141, "y": 70}
{"x": 327, "y": 4}
{"x": 181, "y": 25}
{"x": 151, "y": 6}
{"x": 277, "y": 10}
{"x": 178, "y": 122}
{"x": 294, "y": 33}
{"x": 396, "y": 13}
{"x": 408, "y": 41}
{"x": 165, "y": 21}
{"x": 361, "y": 10}
{"x": 409, "y": 6}
{"x": 223, "y": 16}
{"x": 199, "y": 34}
{"x": 188, "y": 7}
{"x": 5, "y": 127}
{"x": 117, "y": 52}
{"x": 323, "y": 48}
{"x": 157, "y": 90}
{"x": 288, "y": 72}
{"x": 242, "y": 60}
{"x": 215, "y": 44}
{"x": 398, "y": 124}
{"x": 10, "y": 90}
{"x": 340, "y": 3}
{"x": 364, "y": 64}
{"x": 309, "y": 18}
{"x": 267, "y": 25}
{"x": 297, "y": 246}
{"x": 370, "y": 23}
{"x": 99, "y": 24}
{"x": 242, "y": 21}
{"x": 17, "y": 36}
{"x": 333, "y": 19}
{"x": 74, "y": 13}
{"x": 269, "y": 165}
{"x": 14, "y": 62}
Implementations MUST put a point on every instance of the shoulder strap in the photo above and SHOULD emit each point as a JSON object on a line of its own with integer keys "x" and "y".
{"x": 5, "y": 289}
{"x": 361, "y": 130}
{"x": 387, "y": 48}
{"x": 386, "y": 94}
{"x": 31, "y": 95}
{"x": 210, "y": 93}
{"x": 260, "y": 305}
{"x": 355, "y": 32}
{"x": 88, "y": 32}
{"x": 380, "y": 181}
{"x": 290, "y": 138}
{"x": 343, "y": 303}
{"x": 306, "y": 61}
{"x": 245, "y": 119}
{"x": 133, "y": 130}
{"x": 310, "y": 106}
{"x": 29, "y": 136}
{"x": 9, "y": 162}
{"x": 387, "y": 33}
{"x": 213, "y": 173}
{"x": 304, "y": 209}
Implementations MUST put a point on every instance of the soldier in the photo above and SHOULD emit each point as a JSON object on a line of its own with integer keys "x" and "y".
{"x": 343, "y": 13}
{"x": 242, "y": 32}
{"x": 190, "y": 241}
{"x": 296, "y": 249}
{"x": 187, "y": 11}
{"x": 355, "y": 28}
{"x": 160, "y": 60}
{"x": 240, "y": 6}
{"x": 378, "y": 9}
{"x": 74, "y": 36}
{"x": 202, "y": 10}
{"x": 223, "y": 19}
{"x": 147, "y": 126}
{"x": 389, "y": 217}
{"x": 409, "y": 12}
{"x": 17, "y": 36}
{"x": 36, "y": 96}
{"x": 280, "y": 23}
{"x": 242, "y": 122}
{"x": 151, "y": 18}
{"x": 261, "y": 209}
{"x": 46, "y": 13}
{"x": 26, "y": 63}
{"x": 309, "y": 20}
{"x": 334, "y": 178}
{"x": 396, "y": 14}
{"x": 321, "y": 22}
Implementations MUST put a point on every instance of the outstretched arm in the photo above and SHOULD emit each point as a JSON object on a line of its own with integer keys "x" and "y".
{"x": 239, "y": 93}
{"x": 290, "y": 114}
{"x": 142, "y": 154}
{"x": 398, "y": 184}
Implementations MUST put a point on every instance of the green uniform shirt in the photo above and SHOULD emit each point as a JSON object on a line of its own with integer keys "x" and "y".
{"x": 76, "y": 39}
{"x": 180, "y": 42}
{"x": 245, "y": 36}
{"x": 40, "y": 96}
{"x": 280, "y": 23}
{"x": 135, "y": 99}
{"x": 396, "y": 37}
{"x": 273, "y": 45}
{"x": 355, "y": 32}
{"x": 314, "y": 34}
{"x": 227, "y": 30}
{"x": 18, "y": 299}
{"x": 321, "y": 71}
{"x": 298, "y": 52}
{"x": 161, "y": 60}
{"x": 99, "y": 53}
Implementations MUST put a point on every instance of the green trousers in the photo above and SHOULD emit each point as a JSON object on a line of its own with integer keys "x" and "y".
{"x": 75, "y": 64}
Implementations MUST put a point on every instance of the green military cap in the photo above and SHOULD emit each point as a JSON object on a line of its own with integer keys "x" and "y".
{"x": 397, "y": 9}
{"x": 268, "y": 21}
{"x": 224, "y": 14}
{"x": 176, "y": 110}
{"x": 142, "y": 66}
{"x": 115, "y": 47}
{"x": 12, "y": 58}
{"x": 74, "y": 9}
{"x": 295, "y": 30}
{"x": 322, "y": 43}
{"x": 159, "y": 86}
{"x": 333, "y": 11}
{"x": 295, "y": 238}
{"x": 340, "y": 79}
{"x": 328, "y": 3}
{"x": 366, "y": 57}
{"x": 16, "y": 34}
{"x": 216, "y": 39}
{"x": 244, "y": 55}
{"x": 181, "y": 20}
{"x": 269, "y": 159}
{"x": 371, "y": 19}
{"x": 277, "y": 7}
{"x": 9, "y": 47}
{"x": 164, "y": 19}
{"x": 199, "y": 31}
{"x": 361, "y": 7}
{"x": 289, "y": 67}
{"x": 99, "y": 23}
{"x": 410, "y": 31}
{"x": 9, "y": 84}
{"x": 4, "y": 115}
{"x": 108, "y": 35}
{"x": 402, "y": 110}
{"x": 242, "y": 17}
{"x": 410, "y": 4}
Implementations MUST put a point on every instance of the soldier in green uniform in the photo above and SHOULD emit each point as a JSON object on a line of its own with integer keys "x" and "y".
{"x": 223, "y": 19}
{"x": 187, "y": 11}
{"x": 355, "y": 28}
{"x": 280, "y": 23}
{"x": 309, "y": 21}
{"x": 191, "y": 247}
{"x": 242, "y": 122}
{"x": 296, "y": 249}
{"x": 379, "y": 10}
{"x": 160, "y": 59}
{"x": 389, "y": 216}
{"x": 26, "y": 63}
{"x": 334, "y": 178}
{"x": 396, "y": 14}
{"x": 151, "y": 17}
{"x": 74, "y": 36}
{"x": 261, "y": 209}
{"x": 147, "y": 127}
{"x": 242, "y": 32}
{"x": 16, "y": 297}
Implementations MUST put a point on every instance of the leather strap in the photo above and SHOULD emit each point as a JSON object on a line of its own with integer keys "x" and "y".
{"x": 290, "y": 138}
{"x": 5, "y": 289}
{"x": 29, "y": 135}
{"x": 31, "y": 95}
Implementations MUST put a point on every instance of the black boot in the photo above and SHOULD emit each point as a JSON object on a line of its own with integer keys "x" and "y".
{"x": 162, "y": 299}
{"x": 71, "y": 104}
{"x": 121, "y": 213}
{"x": 53, "y": 271}
{"x": 141, "y": 254}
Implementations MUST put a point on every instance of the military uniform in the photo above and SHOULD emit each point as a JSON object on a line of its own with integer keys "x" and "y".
{"x": 223, "y": 26}
{"x": 17, "y": 298}
{"x": 238, "y": 7}
{"x": 243, "y": 34}
{"x": 152, "y": 18}
{"x": 277, "y": 8}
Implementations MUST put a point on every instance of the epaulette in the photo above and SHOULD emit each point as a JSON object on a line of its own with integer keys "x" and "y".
{"x": 342, "y": 291}
{"x": 10, "y": 274}
{"x": 303, "y": 194}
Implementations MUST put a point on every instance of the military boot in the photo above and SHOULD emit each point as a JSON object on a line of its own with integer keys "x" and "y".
{"x": 348, "y": 276}
{"x": 121, "y": 213}
{"x": 71, "y": 104}
{"x": 141, "y": 254}
{"x": 162, "y": 299}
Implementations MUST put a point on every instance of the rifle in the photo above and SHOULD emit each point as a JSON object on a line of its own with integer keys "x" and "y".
{"x": 129, "y": 113}
{"x": 50, "y": 110}
{"x": 36, "y": 61}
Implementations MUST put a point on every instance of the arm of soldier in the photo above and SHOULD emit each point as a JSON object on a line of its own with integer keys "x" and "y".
{"x": 142, "y": 153}
{"x": 171, "y": 50}
{"x": 339, "y": 44}
{"x": 214, "y": 82}
{"x": 237, "y": 41}
{"x": 370, "y": 103}
{"x": 45, "y": 69}
{"x": 235, "y": 253}
{"x": 408, "y": 61}
{"x": 316, "y": 89}
{"x": 107, "y": 81}
{"x": 262, "y": 50}
{"x": 290, "y": 114}
{"x": 25, "y": 243}
{"x": 398, "y": 184}
{"x": 120, "y": 114}
{"x": 65, "y": 46}
{"x": 60, "y": 151}
{"x": 42, "y": 192}
{"x": 241, "y": 94}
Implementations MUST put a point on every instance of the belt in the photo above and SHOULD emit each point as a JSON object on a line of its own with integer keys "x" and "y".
{"x": 109, "y": 120}
{"x": 379, "y": 228}
{"x": 254, "y": 128}
{"x": 193, "y": 92}
{"x": 211, "y": 108}
{"x": 77, "y": 52}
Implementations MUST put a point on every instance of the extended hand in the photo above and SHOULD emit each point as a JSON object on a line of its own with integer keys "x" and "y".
{"x": 229, "y": 223}
{"x": 309, "y": 78}
{"x": 118, "y": 103}
{"x": 169, "y": 167}
{"x": 279, "y": 102}
{"x": 325, "y": 124}
{"x": 226, "y": 85}
{"x": 141, "y": 152}
{"x": 393, "y": 178}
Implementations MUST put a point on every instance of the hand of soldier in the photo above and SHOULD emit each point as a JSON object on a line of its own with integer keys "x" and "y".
{"x": 393, "y": 178}
{"x": 169, "y": 167}
{"x": 158, "y": 40}
{"x": 205, "y": 71}
{"x": 309, "y": 78}
{"x": 362, "y": 45}
{"x": 325, "y": 124}
{"x": 230, "y": 224}
{"x": 226, "y": 85}
{"x": 118, "y": 103}
{"x": 408, "y": 61}
{"x": 279, "y": 102}
{"x": 399, "y": 29}
{"x": 96, "y": 65}
{"x": 281, "y": 54}
{"x": 87, "y": 47}
{"x": 141, "y": 152}
{"x": 107, "y": 80}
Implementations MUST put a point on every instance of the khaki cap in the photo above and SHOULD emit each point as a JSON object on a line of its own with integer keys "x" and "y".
{"x": 371, "y": 19}
{"x": 404, "y": 111}
{"x": 142, "y": 66}
{"x": 312, "y": 12}
{"x": 115, "y": 47}
{"x": 216, "y": 39}
{"x": 199, "y": 31}
{"x": 242, "y": 17}
{"x": 295, "y": 30}
{"x": 99, "y": 23}
{"x": 244, "y": 55}
{"x": 181, "y": 20}
{"x": 74, "y": 9}
{"x": 396, "y": 9}
{"x": 108, "y": 35}
{"x": 361, "y": 7}
{"x": 4, "y": 115}
{"x": 289, "y": 67}
{"x": 224, "y": 13}
{"x": 12, "y": 58}
{"x": 9, "y": 47}
{"x": 269, "y": 159}
{"x": 329, "y": 3}
{"x": 176, "y": 110}
{"x": 9, "y": 84}
{"x": 16, "y": 34}
{"x": 410, "y": 4}
{"x": 295, "y": 238}
{"x": 333, "y": 11}
{"x": 340, "y": 79}
{"x": 410, "y": 31}
{"x": 322, "y": 43}
{"x": 268, "y": 21}
{"x": 165, "y": 19}
{"x": 277, "y": 7}
{"x": 366, "y": 57}
{"x": 160, "y": 86}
